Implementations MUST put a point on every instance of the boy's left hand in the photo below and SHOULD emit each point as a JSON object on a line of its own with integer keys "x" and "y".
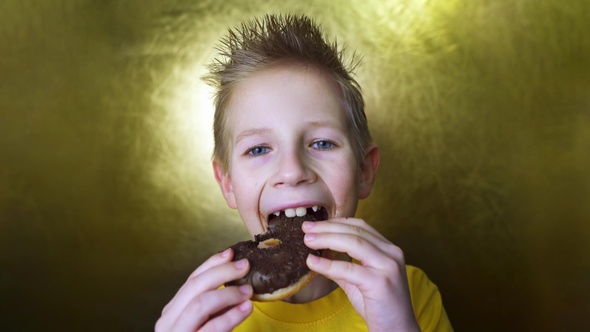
{"x": 377, "y": 287}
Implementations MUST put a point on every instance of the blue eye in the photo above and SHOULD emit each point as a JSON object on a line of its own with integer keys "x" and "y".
{"x": 258, "y": 151}
{"x": 322, "y": 145}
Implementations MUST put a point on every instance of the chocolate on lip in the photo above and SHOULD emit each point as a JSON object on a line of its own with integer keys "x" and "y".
{"x": 281, "y": 265}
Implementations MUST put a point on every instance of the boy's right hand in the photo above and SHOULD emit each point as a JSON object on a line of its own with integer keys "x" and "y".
{"x": 201, "y": 305}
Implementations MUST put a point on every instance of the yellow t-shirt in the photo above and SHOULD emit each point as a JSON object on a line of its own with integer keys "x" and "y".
{"x": 335, "y": 313}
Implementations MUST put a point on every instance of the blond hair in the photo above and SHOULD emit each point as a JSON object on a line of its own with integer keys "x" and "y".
{"x": 272, "y": 40}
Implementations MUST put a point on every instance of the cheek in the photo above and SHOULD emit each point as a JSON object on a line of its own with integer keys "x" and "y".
{"x": 343, "y": 183}
{"x": 348, "y": 183}
{"x": 245, "y": 185}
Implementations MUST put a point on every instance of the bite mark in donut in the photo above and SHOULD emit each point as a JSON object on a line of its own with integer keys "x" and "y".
{"x": 277, "y": 257}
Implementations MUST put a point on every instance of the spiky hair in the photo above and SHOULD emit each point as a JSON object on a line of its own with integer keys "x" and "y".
{"x": 271, "y": 41}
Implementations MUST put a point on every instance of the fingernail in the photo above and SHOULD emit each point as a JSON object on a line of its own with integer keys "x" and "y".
{"x": 242, "y": 263}
{"x": 246, "y": 289}
{"x": 313, "y": 259}
{"x": 244, "y": 307}
{"x": 308, "y": 224}
{"x": 225, "y": 253}
{"x": 310, "y": 236}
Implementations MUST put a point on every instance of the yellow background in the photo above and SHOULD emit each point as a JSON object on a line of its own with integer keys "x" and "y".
{"x": 107, "y": 198}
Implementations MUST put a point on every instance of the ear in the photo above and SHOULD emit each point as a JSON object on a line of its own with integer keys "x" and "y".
{"x": 368, "y": 171}
{"x": 224, "y": 181}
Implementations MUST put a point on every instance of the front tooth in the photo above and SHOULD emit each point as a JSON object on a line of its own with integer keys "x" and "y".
{"x": 290, "y": 213}
{"x": 301, "y": 211}
{"x": 315, "y": 208}
{"x": 278, "y": 213}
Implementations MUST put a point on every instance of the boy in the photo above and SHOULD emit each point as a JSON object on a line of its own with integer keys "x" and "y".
{"x": 290, "y": 131}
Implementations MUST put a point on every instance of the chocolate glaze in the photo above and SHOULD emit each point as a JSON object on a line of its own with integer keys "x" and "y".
{"x": 278, "y": 266}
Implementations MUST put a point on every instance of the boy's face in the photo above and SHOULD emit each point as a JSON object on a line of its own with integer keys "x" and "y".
{"x": 291, "y": 147}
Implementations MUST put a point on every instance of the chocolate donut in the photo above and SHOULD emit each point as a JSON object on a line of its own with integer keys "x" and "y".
{"x": 277, "y": 257}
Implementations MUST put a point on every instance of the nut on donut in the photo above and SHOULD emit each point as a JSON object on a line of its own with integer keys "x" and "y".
{"x": 277, "y": 257}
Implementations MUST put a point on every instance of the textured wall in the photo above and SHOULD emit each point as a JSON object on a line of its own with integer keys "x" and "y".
{"x": 108, "y": 202}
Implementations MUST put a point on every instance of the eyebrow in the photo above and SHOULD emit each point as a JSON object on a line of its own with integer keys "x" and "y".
{"x": 261, "y": 131}
{"x": 251, "y": 132}
{"x": 328, "y": 124}
{"x": 323, "y": 124}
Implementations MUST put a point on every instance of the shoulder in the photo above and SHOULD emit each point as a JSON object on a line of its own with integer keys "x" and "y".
{"x": 426, "y": 301}
{"x": 418, "y": 280}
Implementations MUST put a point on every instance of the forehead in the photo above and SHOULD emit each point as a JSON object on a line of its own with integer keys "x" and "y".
{"x": 285, "y": 93}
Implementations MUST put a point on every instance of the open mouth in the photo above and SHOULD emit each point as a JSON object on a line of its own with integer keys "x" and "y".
{"x": 287, "y": 224}
{"x": 310, "y": 213}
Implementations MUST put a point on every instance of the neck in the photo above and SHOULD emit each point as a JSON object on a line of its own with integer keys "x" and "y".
{"x": 319, "y": 287}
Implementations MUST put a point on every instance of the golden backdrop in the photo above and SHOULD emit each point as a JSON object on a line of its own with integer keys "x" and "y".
{"x": 108, "y": 201}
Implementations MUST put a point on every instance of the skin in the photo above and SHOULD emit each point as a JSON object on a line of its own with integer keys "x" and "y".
{"x": 291, "y": 146}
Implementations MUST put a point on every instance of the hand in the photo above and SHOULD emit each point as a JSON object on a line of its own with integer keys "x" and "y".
{"x": 378, "y": 286}
{"x": 200, "y": 305}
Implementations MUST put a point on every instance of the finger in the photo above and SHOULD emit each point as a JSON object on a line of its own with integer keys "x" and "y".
{"x": 206, "y": 281}
{"x": 215, "y": 260}
{"x": 361, "y": 224}
{"x": 209, "y": 304}
{"x": 358, "y": 275}
{"x": 229, "y": 319}
{"x": 338, "y": 270}
{"x": 348, "y": 226}
{"x": 369, "y": 253}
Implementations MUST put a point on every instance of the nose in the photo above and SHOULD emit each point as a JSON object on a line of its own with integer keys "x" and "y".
{"x": 292, "y": 169}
